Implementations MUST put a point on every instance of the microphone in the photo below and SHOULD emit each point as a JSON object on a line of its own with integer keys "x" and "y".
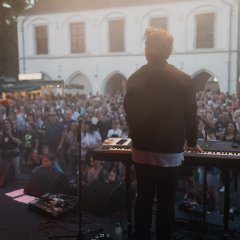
{"x": 207, "y": 126}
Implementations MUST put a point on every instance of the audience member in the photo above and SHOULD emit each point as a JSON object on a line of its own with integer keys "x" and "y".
{"x": 30, "y": 145}
{"x": 55, "y": 135}
{"x": 72, "y": 142}
{"x": 49, "y": 161}
{"x": 115, "y": 131}
{"x": 216, "y": 107}
{"x": 90, "y": 139}
{"x": 10, "y": 143}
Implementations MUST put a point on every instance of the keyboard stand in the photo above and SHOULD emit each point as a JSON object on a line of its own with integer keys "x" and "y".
{"x": 126, "y": 160}
{"x": 220, "y": 154}
{"x": 128, "y": 198}
{"x": 226, "y": 174}
{"x": 204, "y": 201}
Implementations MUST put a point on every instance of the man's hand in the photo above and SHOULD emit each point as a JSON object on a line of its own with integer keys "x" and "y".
{"x": 196, "y": 148}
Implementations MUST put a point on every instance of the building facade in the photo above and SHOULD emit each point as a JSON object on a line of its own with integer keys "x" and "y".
{"x": 94, "y": 46}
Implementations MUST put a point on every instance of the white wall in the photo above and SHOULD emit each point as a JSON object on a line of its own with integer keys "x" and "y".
{"x": 97, "y": 64}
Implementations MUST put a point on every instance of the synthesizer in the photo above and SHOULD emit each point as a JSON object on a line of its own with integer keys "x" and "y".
{"x": 114, "y": 149}
{"x": 216, "y": 153}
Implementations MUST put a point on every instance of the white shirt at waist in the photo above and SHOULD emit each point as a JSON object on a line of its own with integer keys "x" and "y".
{"x": 157, "y": 159}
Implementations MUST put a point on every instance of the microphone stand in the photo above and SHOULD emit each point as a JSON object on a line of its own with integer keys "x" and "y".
{"x": 79, "y": 136}
{"x": 79, "y": 236}
{"x": 207, "y": 126}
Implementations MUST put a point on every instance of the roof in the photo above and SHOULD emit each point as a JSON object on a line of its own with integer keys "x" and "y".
{"x": 28, "y": 85}
{"x": 59, "y": 6}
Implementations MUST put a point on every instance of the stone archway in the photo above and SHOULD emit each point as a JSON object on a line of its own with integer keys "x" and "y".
{"x": 115, "y": 84}
{"x": 78, "y": 84}
{"x": 205, "y": 81}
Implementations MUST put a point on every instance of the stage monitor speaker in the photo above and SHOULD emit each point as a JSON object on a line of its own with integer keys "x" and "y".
{"x": 7, "y": 173}
{"x": 101, "y": 198}
{"x": 44, "y": 181}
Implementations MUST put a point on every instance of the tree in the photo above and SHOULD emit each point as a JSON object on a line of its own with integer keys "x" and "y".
{"x": 9, "y": 10}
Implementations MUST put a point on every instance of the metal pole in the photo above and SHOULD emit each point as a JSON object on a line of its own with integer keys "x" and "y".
{"x": 229, "y": 43}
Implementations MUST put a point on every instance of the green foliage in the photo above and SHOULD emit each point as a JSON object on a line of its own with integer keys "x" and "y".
{"x": 9, "y": 10}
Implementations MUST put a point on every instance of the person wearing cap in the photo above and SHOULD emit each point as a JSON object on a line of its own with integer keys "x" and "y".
{"x": 54, "y": 137}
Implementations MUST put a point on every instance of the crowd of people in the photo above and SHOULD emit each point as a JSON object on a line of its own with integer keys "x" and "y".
{"x": 218, "y": 119}
{"x": 58, "y": 123}
{"x": 33, "y": 123}
{"x": 162, "y": 114}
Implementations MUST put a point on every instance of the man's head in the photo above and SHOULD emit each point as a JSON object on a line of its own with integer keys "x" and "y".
{"x": 52, "y": 116}
{"x": 48, "y": 160}
{"x": 158, "y": 44}
{"x": 68, "y": 115}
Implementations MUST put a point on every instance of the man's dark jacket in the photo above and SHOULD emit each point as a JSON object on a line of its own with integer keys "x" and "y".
{"x": 160, "y": 106}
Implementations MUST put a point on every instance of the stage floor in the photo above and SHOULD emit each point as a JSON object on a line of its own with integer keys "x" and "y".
{"x": 18, "y": 222}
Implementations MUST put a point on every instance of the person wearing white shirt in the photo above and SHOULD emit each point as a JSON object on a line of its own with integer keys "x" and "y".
{"x": 115, "y": 131}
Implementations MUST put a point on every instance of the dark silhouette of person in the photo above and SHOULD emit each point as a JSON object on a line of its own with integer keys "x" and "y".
{"x": 161, "y": 112}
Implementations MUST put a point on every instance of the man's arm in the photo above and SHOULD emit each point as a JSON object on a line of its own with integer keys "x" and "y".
{"x": 191, "y": 126}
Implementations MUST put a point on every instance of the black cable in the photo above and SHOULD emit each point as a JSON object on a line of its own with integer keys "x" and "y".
{"x": 50, "y": 229}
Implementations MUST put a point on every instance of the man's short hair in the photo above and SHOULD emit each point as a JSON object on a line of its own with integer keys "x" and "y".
{"x": 158, "y": 44}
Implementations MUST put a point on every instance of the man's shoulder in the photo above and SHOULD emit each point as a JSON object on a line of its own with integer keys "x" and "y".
{"x": 174, "y": 70}
{"x": 138, "y": 72}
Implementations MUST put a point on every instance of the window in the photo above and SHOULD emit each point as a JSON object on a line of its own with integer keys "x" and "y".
{"x": 41, "y": 34}
{"x": 116, "y": 36}
{"x": 158, "y": 22}
{"x": 205, "y": 30}
{"x": 77, "y": 31}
